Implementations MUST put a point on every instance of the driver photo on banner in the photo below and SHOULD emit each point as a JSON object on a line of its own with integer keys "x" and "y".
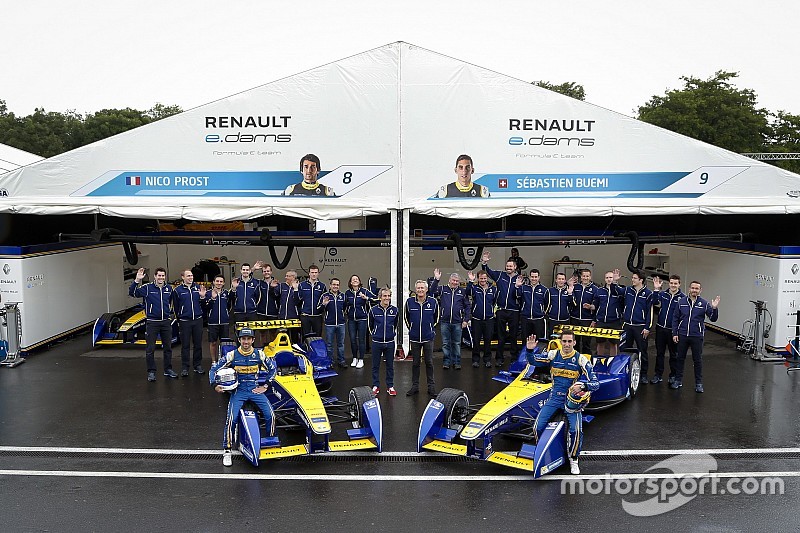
{"x": 463, "y": 186}
{"x": 310, "y": 186}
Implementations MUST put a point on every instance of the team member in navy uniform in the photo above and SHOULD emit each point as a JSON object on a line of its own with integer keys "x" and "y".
{"x": 637, "y": 317}
{"x": 607, "y": 306}
{"x": 245, "y": 294}
{"x": 309, "y": 168}
{"x": 581, "y": 312}
{"x": 246, "y": 361}
{"x": 559, "y": 300}
{"x": 332, "y": 304}
{"x": 157, "y": 299}
{"x": 267, "y": 308}
{"x": 483, "y": 298}
{"x": 218, "y": 306}
{"x": 421, "y": 315}
{"x": 356, "y": 306}
{"x": 382, "y": 324}
{"x": 533, "y": 296}
{"x": 455, "y": 316}
{"x": 507, "y": 313}
{"x": 688, "y": 329}
{"x": 666, "y": 302}
{"x": 187, "y": 301}
{"x": 309, "y": 294}
{"x": 463, "y": 186}
{"x": 566, "y": 367}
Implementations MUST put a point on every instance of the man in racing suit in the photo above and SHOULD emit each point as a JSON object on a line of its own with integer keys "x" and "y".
{"x": 566, "y": 366}
{"x": 246, "y": 362}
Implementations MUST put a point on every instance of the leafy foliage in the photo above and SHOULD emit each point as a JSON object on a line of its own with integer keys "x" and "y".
{"x": 51, "y": 133}
{"x": 713, "y": 111}
{"x": 568, "y": 88}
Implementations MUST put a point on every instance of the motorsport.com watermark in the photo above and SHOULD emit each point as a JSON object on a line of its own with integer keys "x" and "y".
{"x": 691, "y": 476}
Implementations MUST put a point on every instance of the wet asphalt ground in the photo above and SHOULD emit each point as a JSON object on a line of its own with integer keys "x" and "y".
{"x": 87, "y": 444}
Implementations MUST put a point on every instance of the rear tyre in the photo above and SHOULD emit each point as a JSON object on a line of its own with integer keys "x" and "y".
{"x": 356, "y": 398}
{"x": 456, "y": 406}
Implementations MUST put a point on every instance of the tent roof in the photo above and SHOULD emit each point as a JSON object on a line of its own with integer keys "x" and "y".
{"x": 12, "y": 158}
{"x": 387, "y": 125}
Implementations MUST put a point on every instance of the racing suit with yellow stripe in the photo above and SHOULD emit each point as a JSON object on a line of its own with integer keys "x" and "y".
{"x": 246, "y": 366}
{"x": 565, "y": 370}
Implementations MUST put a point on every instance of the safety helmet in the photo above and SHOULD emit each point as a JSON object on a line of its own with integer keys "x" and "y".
{"x": 227, "y": 379}
{"x": 576, "y": 401}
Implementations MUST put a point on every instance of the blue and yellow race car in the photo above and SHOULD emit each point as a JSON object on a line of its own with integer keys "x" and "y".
{"x": 125, "y": 327}
{"x": 450, "y": 424}
{"x": 298, "y": 402}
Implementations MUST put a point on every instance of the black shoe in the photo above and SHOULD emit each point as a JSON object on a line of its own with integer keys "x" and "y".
{"x": 170, "y": 373}
{"x": 475, "y": 365}
{"x": 412, "y": 392}
{"x": 184, "y": 373}
{"x": 199, "y": 370}
{"x": 431, "y": 392}
{"x": 445, "y": 367}
{"x": 643, "y": 379}
{"x": 671, "y": 379}
{"x": 499, "y": 363}
{"x": 457, "y": 367}
{"x": 151, "y": 376}
{"x": 656, "y": 380}
{"x": 698, "y": 387}
{"x": 342, "y": 365}
{"x": 487, "y": 364}
{"x": 675, "y": 384}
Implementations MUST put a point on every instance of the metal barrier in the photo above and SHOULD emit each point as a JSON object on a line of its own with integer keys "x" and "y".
{"x": 10, "y": 335}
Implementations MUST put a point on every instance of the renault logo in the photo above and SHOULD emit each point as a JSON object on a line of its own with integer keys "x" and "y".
{"x": 795, "y": 268}
{"x": 7, "y": 269}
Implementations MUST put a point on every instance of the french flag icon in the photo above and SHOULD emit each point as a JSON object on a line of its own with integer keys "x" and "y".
{"x": 133, "y": 180}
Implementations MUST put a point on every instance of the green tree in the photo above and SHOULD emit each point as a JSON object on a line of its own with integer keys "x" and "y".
{"x": 51, "y": 133}
{"x": 785, "y": 138}
{"x": 568, "y": 88}
{"x": 714, "y": 111}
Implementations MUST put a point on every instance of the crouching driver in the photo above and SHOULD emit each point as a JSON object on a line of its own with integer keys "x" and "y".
{"x": 246, "y": 384}
{"x": 568, "y": 393}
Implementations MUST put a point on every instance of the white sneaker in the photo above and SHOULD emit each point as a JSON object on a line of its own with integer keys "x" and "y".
{"x": 355, "y": 362}
{"x": 227, "y": 458}
{"x": 375, "y": 391}
{"x": 360, "y": 363}
{"x": 573, "y": 467}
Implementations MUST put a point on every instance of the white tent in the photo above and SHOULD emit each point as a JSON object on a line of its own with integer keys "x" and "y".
{"x": 388, "y": 125}
{"x": 12, "y": 158}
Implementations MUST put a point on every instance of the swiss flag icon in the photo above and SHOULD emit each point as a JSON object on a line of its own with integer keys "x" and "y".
{"x": 502, "y": 183}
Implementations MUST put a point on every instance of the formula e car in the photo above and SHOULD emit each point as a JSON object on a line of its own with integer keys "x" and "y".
{"x": 125, "y": 327}
{"x": 451, "y": 425}
{"x": 298, "y": 404}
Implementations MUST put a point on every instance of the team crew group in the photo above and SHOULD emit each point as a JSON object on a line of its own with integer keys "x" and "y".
{"x": 513, "y": 306}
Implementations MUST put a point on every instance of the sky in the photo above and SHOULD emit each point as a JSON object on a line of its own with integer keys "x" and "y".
{"x": 89, "y": 55}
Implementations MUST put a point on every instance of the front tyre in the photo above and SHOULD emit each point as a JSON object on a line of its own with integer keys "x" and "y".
{"x": 356, "y": 399}
{"x": 634, "y": 374}
{"x": 456, "y": 407}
